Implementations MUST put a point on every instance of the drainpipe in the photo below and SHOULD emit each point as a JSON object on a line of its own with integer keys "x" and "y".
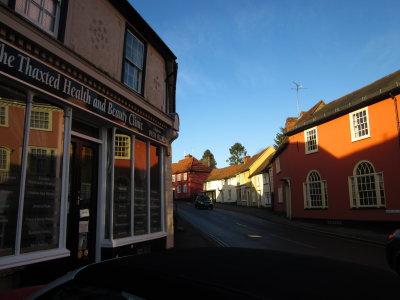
{"x": 396, "y": 111}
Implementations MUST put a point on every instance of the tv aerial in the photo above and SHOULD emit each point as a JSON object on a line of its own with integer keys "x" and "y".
{"x": 297, "y": 88}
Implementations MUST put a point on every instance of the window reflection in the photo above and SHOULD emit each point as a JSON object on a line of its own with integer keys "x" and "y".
{"x": 141, "y": 204}
{"x": 12, "y": 116}
{"x": 41, "y": 213}
{"x": 122, "y": 186}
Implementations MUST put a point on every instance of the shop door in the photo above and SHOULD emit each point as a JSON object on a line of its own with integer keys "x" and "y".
{"x": 82, "y": 201}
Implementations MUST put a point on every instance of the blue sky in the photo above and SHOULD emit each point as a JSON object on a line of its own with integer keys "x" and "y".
{"x": 238, "y": 60}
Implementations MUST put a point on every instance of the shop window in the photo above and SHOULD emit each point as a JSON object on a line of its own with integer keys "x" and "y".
{"x": 133, "y": 62}
{"x": 311, "y": 140}
{"x": 122, "y": 146}
{"x": 122, "y": 186}
{"x": 366, "y": 187}
{"x": 44, "y": 13}
{"x": 11, "y": 141}
{"x": 140, "y": 186}
{"x": 41, "y": 118}
{"x": 41, "y": 212}
{"x": 155, "y": 189}
{"x": 315, "y": 191}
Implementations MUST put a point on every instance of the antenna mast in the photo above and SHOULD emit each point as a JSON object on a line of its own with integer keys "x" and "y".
{"x": 297, "y": 88}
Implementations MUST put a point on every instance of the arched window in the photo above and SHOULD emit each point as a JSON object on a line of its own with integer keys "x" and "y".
{"x": 366, "y": 186}
{"x": 315, "y": 191}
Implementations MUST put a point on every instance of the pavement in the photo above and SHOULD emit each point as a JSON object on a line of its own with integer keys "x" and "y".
{"x": 187, "y": 236}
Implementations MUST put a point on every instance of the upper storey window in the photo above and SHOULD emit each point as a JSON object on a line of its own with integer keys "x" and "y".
{"x": 133, "y": 64}
{"x": 44, "y": 13}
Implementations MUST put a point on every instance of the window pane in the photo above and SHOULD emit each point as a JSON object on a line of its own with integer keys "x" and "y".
{"x": 140, "y": 197}
{"x": 122, "y": 186}
{"x": 155, "y": 189}
{"x": 11, "y": 139}
{"x": 41, "y": 219}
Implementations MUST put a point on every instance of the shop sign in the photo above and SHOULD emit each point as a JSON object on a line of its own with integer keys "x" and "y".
{"x": 24, "y": 67}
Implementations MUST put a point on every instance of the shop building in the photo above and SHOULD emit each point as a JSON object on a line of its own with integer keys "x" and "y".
{"x": 87, "y": 118}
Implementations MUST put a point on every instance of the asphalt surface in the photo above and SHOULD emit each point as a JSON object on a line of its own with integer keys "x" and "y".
{"x": 186, "y": 236}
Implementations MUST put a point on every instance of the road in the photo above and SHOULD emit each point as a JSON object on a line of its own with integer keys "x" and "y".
{"x": 234, "y": 229}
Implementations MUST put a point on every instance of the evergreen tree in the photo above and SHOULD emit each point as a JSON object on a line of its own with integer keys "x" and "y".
{"x": 208, "y": 159}
{"x": 238, "y": 152}
{"x": 280, "y": 137}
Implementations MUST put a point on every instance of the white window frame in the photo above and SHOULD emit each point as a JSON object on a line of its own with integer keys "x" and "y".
{"x": 21, "y": 259}
{"x": 138, "y": 69}
{"x": 26, "y": 5}
{"x": 178, "y": 189}
{"x": 179, "y": 177}
{"x": 280, "y": 194}
{"x": 356, "y": 180}
{"x": 185, "y": 176}
{"x": 352, "y": 125}
{"x": 173, "y": 177}
{"x": 308, "y": 140}
{"x": 308, "y": 187}
{"x": 185, "y": 188}
{"x": 278, "y": 165}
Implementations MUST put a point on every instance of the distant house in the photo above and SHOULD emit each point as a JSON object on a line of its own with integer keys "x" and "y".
{"x": 188, "y": 176}
{"x": 341, "y": 160}
{"x": 241, "y": 184}
{"x": 221, "y": 184}
{"x": 262, "y": 179}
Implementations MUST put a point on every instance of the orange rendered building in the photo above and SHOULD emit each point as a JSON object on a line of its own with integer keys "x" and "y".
{"x": 340, "y": 160}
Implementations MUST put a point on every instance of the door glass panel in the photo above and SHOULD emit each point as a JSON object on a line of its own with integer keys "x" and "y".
{"x": 41, "y": 218}
{"x": 12, "y": 116}
{"x": 141, "y": 203}
{"x": 155, "y": 194}
{"x": 122, "y": 186}
{"x": 85, "y": 197}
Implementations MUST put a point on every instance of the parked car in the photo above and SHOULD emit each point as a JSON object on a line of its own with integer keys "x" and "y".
{"x": 222, "y": 273}
{"x": 393, "y": 251}
{"x": 203, "y": 201}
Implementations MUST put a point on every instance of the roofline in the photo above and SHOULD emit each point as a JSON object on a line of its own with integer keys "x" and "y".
{"x": 345, "y": 109}
{"x": 131, "y": 15}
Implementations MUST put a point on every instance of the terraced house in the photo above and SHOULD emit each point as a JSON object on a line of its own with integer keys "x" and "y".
{"x": 340, "y": 160}
{"x": 87, "y": 118}
{"x": 245, "y": 184}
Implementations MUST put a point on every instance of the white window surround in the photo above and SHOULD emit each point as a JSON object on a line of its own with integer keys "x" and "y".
{"x": 280, "y": 194}
{"x": 366, "y": 187}
{"x": 315, "y": 191}
{"x": 359, "y": 124}
{"x": 179, "y": 177}
{"x": 18, "y": 258}
{"x": 173, "y": 177}
{"x": 311, "y": 140}
{"x": 278, "y": 165}
{"x": 185, "y": 176}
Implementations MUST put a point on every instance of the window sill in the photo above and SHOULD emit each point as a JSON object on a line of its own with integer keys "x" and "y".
{"x": 132, "y": 240}
{"x": 31, "y": 258}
